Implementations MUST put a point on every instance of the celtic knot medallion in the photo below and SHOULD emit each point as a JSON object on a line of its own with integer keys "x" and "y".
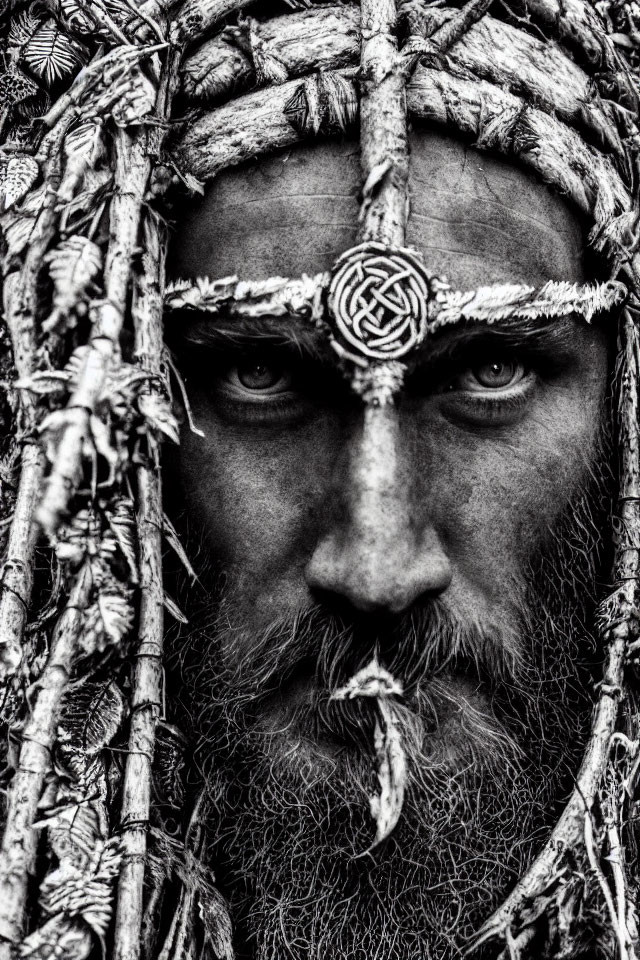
{"x": 378, "y": 299}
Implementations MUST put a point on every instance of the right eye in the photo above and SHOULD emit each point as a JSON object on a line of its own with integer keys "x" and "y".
{"x": 498, "y": 374}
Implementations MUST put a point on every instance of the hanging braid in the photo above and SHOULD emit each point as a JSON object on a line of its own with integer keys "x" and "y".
{"x": 90, "y": 156}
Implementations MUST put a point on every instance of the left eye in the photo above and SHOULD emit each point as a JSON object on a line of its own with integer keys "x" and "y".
{"x": 492, "y": 375}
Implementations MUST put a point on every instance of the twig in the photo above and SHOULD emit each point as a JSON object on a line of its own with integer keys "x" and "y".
{"x": 131, "y": 178}
{"x": 199, "y": 16}
{"x": 146, "y": 701}
{"x": 18, "y": 843}
{"x": 16, "y": 579}
{"x": 21, "y": 309}
{"x": 592, "y": 857}
{"x": 458, "y": 26}
{"x": 383, "y": 120}
{"x": 321, "y": 38}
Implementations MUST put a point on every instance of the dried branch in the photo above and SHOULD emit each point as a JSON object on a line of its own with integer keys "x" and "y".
{"x": 459, "y": 25}
{"x": 383, "y": 122}
{"x": 16, "y": 580}
{"x": 132, "y": 174}
{"x": 20, "y": 294}
{"x": 147, "y": 685}
{"x": 327, "y": 38}
{"x": 18, "y": 843}
{"x": 526, "y": 66}
{"x": 146, "y": 700}
{"x": 576, "y": 24}
{"x": 324, "y": 38}
{"x": 250, "y": 126}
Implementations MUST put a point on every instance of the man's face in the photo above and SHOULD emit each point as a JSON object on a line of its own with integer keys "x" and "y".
{"x": 427, "y": 536}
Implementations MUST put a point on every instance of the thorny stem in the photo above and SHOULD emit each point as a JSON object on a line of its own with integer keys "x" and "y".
{"x": 25, "y": 790}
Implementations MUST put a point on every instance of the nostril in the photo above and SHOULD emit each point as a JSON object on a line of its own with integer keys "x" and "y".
{"x": 388, "y": 581}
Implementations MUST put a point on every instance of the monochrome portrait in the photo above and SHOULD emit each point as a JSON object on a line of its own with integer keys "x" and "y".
{"x": 319, "y": 479}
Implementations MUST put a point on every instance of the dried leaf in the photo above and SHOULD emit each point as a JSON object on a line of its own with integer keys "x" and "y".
{"x": 174, "y": 542}
{"x": 18, "y": 234}
{"x": 168, "y": 763}
{"x": 137, "y": 101}
{"x": 122, "y": 524}
{"x": 83, "y": 778}
{"x": 172, "y": 607}
{"x": 216, "y": 923}
{"x": 92, "y": 715}
{"x": 74, "y": 17}
{"x": 60, "y": 938}
{"x": 19, "y": 175}
{"x": 84, "y": 894}
{"x": 23, "y": 26}
{"x": 107, "y": 622}
{"x": 323, "y": 103}
{"x": 16, "y": 86}
{"x": 392, "y": 771}
{"x": 73, "y": 832}
{"x": 83, "y": 148}
{"x": 72, "y": 266}
{"x": 50, "y": 53}
{"x": 374, "y": 681}
{"x": 157, "y": 412}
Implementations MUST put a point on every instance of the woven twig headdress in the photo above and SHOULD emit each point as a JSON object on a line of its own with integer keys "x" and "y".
{"x": 87, "y": 101}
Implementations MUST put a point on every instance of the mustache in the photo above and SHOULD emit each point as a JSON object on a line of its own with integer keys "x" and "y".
{"x": 420, "y": 645}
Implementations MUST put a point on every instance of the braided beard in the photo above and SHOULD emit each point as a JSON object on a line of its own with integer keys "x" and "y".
{"x": 493, "y": 726}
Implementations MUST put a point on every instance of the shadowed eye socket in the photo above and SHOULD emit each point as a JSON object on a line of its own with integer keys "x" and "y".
{"x": 494, "y": 390}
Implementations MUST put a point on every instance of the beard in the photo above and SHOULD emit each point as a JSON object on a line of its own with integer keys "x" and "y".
{"x": 493, "y": 723}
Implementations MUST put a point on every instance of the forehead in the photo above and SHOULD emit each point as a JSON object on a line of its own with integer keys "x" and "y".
{"x": 476, "y": 218}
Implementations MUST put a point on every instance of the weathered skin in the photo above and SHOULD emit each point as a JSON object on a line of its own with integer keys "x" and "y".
{"x": 320, "y": 501}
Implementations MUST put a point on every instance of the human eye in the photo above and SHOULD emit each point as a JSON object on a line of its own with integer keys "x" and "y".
{"x": 491, "y": 376}
{"x": 259, "y": 386}
{"x": 256, "y": 379}
{"x": 493, "y": 389}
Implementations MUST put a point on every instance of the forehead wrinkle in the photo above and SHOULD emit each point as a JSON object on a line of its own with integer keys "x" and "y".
{"x": 525, "y": 216}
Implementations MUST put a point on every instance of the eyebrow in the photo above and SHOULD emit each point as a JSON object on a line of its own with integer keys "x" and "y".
{"x": 222, "y": 332}
{"x": 295, "y": 334}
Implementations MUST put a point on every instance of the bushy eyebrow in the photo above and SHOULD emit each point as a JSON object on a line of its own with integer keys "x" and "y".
{"x": 558, "y": 336}
{"x": 238, "y": 333}
{"x": 297, "y": 336}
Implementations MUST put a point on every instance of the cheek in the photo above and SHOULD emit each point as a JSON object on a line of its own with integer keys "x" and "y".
{"x": 256, "y": 500}
{"x": 503, "y": 496}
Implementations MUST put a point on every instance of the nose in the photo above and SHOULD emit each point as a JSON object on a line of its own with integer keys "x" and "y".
{"x": 379, "y": 550}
